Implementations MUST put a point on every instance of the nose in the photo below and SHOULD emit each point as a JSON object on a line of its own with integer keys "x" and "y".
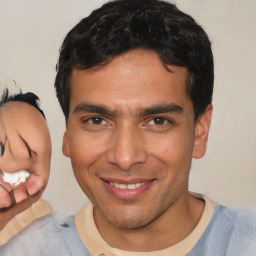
{"x": 15, "y": 156}
{"x": 126, "y": 148}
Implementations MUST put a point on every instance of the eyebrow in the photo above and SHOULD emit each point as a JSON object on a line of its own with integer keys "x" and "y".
{"x": 160, "y": 109}
{"x": 93, "y": 108}
{"x": 152, "y": 110}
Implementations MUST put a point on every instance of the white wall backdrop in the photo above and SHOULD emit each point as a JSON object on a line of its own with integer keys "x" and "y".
{"x": 31, "y": 33}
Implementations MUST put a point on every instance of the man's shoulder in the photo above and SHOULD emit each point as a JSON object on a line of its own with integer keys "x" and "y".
{"x": 243, "y": 222}
{"x": 50, "y": 224}
{"x": 230, "y": 232}
{"x": 53, "y": 234}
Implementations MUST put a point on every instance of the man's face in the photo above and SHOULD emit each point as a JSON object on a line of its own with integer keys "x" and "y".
{"x": 131, "y": 137}
{"x": 25, "y": 145}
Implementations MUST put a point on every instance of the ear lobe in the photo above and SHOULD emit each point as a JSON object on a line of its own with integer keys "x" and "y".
{"x": 201, "y": 132}
{"x": 65, "y": 146}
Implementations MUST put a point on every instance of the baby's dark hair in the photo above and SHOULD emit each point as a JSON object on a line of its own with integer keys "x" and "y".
{"x": 28, "y": 97}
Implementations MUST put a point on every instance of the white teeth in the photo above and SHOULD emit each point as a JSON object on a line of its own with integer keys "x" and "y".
{"x": 127, "y": 186}
{"x": 122, "y": 186}
{"x": 131, "y": 186}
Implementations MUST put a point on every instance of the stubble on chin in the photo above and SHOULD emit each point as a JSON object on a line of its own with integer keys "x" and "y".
{"x": 128, "y": 219}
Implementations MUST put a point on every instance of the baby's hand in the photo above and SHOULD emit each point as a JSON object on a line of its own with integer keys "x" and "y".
{"x": 18, "y": 186}
{"x": 5, "y": 194}
{"x": 6, "y": 214}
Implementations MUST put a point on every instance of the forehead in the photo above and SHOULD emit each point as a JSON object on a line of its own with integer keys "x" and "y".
{"x": 22, "y": 118}
{"x": 16, "y": 111}
{"x": 132, "y": 80}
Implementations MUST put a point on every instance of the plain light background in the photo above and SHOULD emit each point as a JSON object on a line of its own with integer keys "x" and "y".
{"x": 31, "y": 33}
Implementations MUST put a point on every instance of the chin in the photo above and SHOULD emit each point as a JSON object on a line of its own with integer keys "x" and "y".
{"x": 130, "y": 219}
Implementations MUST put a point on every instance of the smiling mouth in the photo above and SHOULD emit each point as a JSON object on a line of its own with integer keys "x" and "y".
{"x": 127, "y": 190}
{"x": 128, "y": 186}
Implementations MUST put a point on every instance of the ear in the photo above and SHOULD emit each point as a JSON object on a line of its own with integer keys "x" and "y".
{"x": 65, "y": 146}
{"x": 201, "y": 132}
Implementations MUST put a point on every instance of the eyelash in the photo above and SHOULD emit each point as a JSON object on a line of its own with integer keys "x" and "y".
{"x": 165, "y": 121}
{"x": 87, "y": 120}
{"x": 28, "y": 148}
{"x": 161, "y": 119}
{"x": 2, "y": 147}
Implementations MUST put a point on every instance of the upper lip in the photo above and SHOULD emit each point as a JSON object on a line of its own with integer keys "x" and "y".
{"x": 127, "y": 181}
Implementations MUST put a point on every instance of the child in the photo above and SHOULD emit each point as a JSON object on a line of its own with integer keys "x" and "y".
{"x": 25, "y": 145}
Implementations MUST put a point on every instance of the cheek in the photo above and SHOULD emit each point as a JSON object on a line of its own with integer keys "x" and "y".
{"x": 175, "y": 149}
{"x": 42, "y": 148}
{"x": 86, "y": 152}
{"x": 85, "y": 149}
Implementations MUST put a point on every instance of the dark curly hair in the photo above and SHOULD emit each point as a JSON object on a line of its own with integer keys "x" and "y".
{"x": 123, "y": 25}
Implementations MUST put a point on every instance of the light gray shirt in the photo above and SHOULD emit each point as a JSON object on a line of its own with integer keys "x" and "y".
{"x": 229, "y": 233}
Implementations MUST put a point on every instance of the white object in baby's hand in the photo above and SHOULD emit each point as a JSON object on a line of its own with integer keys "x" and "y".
{"x": 14, "y": 178}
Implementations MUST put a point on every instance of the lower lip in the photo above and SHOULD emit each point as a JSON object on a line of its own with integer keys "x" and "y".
{"x": 127, "y": 194}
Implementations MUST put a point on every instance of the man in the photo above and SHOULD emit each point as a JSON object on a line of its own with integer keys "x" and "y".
{"x": 135, "y": 83}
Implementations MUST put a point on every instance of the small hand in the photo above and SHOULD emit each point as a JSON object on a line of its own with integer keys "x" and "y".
{"x": 6, "y": 214}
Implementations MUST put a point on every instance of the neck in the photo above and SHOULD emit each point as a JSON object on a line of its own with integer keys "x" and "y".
{"x": 173, "y": 226}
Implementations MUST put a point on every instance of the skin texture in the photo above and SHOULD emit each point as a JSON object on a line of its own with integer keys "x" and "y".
{"x": 132, "y": 121}
{"x": 26, "y": 140}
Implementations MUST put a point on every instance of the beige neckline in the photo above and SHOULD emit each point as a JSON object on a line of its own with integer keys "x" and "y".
{"x": 96, "y": 245}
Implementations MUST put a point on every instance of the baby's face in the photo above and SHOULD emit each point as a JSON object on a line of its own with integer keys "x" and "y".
{"x": 24, "y": 145}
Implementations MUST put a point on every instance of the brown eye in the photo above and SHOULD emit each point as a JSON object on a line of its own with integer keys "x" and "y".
{"x": 96, "y": 120}
{"x": 159, "y": 121}
{"x": 95, "y": 123}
